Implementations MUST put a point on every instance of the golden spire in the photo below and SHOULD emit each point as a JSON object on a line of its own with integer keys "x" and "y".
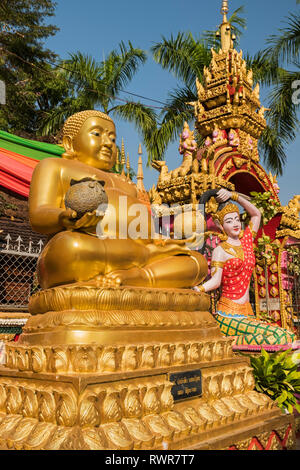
{"x": 128, "y": 167}
{"x": 225, "y": 10}
{"x": 140, "y": 174}
{"x": 226, "y": 39}
{"x": 123, "y": 158}
{"x": 117, "y": 162}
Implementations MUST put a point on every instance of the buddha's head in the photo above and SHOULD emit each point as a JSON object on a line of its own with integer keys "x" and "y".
{"x": 228, "y": 220}
{"x": 90, "y": 137}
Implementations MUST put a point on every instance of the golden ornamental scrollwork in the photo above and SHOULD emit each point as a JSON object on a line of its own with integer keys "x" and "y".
{"x": 132, "y": 403}
{"x": 176, "y": 421}
{"x": 140, "y": 434}
{"x": 88, "y": 358}
{"x": 244, "y": 445}
{"x": 89, "y": 409}
{"x": 226, "y": 168}
{"x": 192, "y": 417}
{"x": 118, "y": 436}
{"x": 224, "y": 411}
{"x": 94, "y": 438}
{"x": 112, "y": 417}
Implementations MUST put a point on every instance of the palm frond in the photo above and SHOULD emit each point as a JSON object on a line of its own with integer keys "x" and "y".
{"x": 119, "y": 68}
{"x": 283, "y": 115}
{"x": 272, "y": 150}
{"x": 142, "y": 116}
{"x": 238, "y": 21}
{"x": 52, "y": 121}
{"x": 285, "y": 45}
{"x": 170, "y": 122}
{"x": 157, "y": 141}
{"x": 83, "y": 69}
{"x": 177, "y": 103}
{"x": 265, "y": 71}
{"x": 184, "y": 56}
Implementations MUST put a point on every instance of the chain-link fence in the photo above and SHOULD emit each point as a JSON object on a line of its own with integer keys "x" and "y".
{"x": 18, "y": 278}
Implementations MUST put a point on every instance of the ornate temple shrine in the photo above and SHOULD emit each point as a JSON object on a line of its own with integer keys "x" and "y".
{"x": 131, "y": 358}
{"x": 230, "y": 118}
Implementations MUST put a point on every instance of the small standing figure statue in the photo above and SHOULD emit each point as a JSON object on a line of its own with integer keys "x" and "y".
{"x": 233, "y": 138}
{"x": 187, "y": 147}
{"x": 232, "y": 265}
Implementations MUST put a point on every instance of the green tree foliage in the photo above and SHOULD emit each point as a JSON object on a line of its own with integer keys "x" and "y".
{"x": 98, "y": 85}
{"x": 43, "y": 91}
{"x": 276, "y": 375}
{"x": 267, "y": 205}
{"x": 278, "y": 66}
{"x": 29, "y": 88}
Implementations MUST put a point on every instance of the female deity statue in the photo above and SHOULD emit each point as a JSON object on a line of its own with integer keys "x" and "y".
{"x": 232, "y": 265}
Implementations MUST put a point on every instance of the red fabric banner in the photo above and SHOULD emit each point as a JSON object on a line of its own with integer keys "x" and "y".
{"x": 15, "y": 168}
{"x": 14, "y": 184}
{"x": 16, "y": 172}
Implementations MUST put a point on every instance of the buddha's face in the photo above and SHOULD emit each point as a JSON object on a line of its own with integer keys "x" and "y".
{"x": 95, "y": 143}
{"x": 232, "y": 225}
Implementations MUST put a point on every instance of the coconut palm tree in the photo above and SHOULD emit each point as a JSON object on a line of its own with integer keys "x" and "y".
{"x": 186, "y": 56}
{"x": 98, "y": 84}
{"x": 282, "y": 51}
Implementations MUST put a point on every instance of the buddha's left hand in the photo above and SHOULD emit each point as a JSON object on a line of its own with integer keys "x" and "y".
{"x": 168, "y": 246}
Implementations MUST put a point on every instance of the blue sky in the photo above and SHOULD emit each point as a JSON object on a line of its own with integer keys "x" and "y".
{"x": 96, "y": 27}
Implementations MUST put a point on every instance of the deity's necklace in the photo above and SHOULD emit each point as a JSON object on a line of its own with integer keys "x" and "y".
{"x": 233, "y": 250}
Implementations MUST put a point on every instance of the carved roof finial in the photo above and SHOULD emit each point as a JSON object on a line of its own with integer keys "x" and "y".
{"x": 225, "y": 10}
{"x": 226, "y": 39}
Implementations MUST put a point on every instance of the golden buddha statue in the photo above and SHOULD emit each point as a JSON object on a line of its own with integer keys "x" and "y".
{"x": 74, "y": 252}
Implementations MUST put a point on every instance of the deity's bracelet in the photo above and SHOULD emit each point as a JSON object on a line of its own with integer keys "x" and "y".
{"x": 201, "y": 288}
{"x": 234, "y": 196}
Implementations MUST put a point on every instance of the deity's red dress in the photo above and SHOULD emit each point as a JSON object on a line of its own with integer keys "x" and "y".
{"x": 238, "y": 319}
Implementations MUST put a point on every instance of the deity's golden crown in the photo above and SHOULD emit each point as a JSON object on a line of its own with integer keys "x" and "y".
{"x": 228, "y": 209}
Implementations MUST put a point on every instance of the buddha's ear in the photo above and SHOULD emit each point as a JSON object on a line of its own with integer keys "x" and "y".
{"x": 68, "y": 146}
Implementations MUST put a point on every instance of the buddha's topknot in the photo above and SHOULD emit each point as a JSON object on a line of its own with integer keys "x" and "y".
{"x": 74, "y": 123}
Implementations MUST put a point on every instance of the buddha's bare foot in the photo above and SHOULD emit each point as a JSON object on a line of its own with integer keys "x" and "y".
{"x": 129, "y": 277}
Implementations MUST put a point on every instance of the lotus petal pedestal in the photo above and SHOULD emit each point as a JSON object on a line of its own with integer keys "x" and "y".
{"x": 131, "y": 368}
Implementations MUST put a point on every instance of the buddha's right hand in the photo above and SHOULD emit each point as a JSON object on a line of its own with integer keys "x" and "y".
{"x": 88, "y": 220}
{"x": 67, "y": 218}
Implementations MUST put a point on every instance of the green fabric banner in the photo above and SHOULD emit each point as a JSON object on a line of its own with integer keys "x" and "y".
{"x": 29, "y": 148}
